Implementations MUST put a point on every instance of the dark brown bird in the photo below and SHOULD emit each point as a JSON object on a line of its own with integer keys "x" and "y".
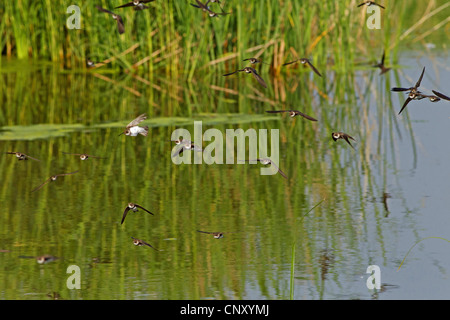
{"x": 137, "y": 4}
{"x": 370, "y": 3}
{"x": 90, "y": 63}
{"x": 46, "y": 258}
{"x": 116, "y": 17}
{"x": 412, "y": 89}
{"x": 206, "y": 9}
{"x": 293, "y": 113}
{"x": 52, "y": 178}
{"x": 413, "y": 94}
{"x": 217, "y": 235}
{"x": 256, "y": 60}
{"x": 139, "y": 242}
{"x": 253, "y": 72}
{"x": 185, "y": 145}
{"x": 83, "y": 156}
{"x": 382, "y": 66}
{"x": 22, "y": 156}
{"x": 384, "y": 200}
{"x": 134, "y": 207}
{"x": 307, "y": 62}
{"x": 342, "y": 135}
{"x": 266, "y": 161}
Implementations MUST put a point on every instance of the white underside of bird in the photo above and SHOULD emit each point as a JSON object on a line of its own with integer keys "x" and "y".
{"x": 134, "y": 131}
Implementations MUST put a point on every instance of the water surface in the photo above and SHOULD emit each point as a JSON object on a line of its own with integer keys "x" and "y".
{"x": 77, "y": 218}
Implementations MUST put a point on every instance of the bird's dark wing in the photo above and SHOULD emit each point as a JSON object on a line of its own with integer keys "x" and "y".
{"x": 291, "y": 62}
{"x": 103, "y": 10}
{"x": 149, "y": 245}
{"x": 205, "y": 232}
{"x": 314, "y": 68}
{"x": 91, "y": 156}
{"x": 305, "y": 115}
{"x": 177, "y": 152}
{"x": 346, "y": 138}
{"x": 145, "y": 243}
{"x": 258, "y": 77}
{"x": 278, "y": 111}
{"x": 201, "y": 5}
{"x": 420, "y": 79}
{"x": 39, "y": 187}
{"x": 384, "y": 70}
{"x": 279, "y": 170}
{"x": 27, "y": 156}
{"x": 65, "y": 174}
{"x": 401, "y": 89}
{"x": 125, "y": 214}
{"x": 405, "y": 104}
{"x": 129, "y": 4}
{"x": 136, "y": 121}
{"x": 441, "y": 95}
{"x": 75, "y": 154}
{"x": 143, "y": 208}
{"x": 120, "y": 25}
{"x": 229, "y": 74}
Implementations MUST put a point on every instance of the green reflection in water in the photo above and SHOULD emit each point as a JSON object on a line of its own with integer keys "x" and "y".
{"x": 77, "y": 218}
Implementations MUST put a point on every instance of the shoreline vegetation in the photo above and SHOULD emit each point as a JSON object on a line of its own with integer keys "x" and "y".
{"x": 178, "y": 39}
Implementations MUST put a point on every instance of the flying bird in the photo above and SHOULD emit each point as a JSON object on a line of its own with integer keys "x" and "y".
{"x": 52, "y": 178}
{"x": 116, "y": 17}
{"x": 304, "y": 61}
{"x": 217, "y": 235}
{"x": 266, "y": 161}
{"x": 90, "y": 63}
{"x": 46, "y": 258}
{"x": 83, "y": 156}
{"x": 133, "y": 129}
{"x": 412, "y": 89}
{"x": 293, "y": 113}
{"x": 185, "y": 145}
{"x": 342, "y": 135}
{"x": 256, "y": 60}
{"x": 22, "y": 156}
{"x": 370, "y": 3}
{"x": 413, "y": 94}
{"x": 137, "y": 4}
{"x": 139, "y": 242}
{"x": 206, "y": 9}
{"x": 382, "y": 66}
{"x": 253, "y": 72}
{"x": 134, "y": 207}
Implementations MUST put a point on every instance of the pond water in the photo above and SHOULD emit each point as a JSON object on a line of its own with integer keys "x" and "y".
{"x": 402, "y": 159}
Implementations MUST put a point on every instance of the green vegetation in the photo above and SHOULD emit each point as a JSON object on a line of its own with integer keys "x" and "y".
{"x": 175, "y": 37}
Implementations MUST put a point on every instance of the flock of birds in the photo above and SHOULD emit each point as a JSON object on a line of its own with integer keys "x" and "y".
{"x": 133, "y": 128}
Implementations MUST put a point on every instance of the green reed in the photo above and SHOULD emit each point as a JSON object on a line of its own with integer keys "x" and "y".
{"x": 333, "y": 33}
